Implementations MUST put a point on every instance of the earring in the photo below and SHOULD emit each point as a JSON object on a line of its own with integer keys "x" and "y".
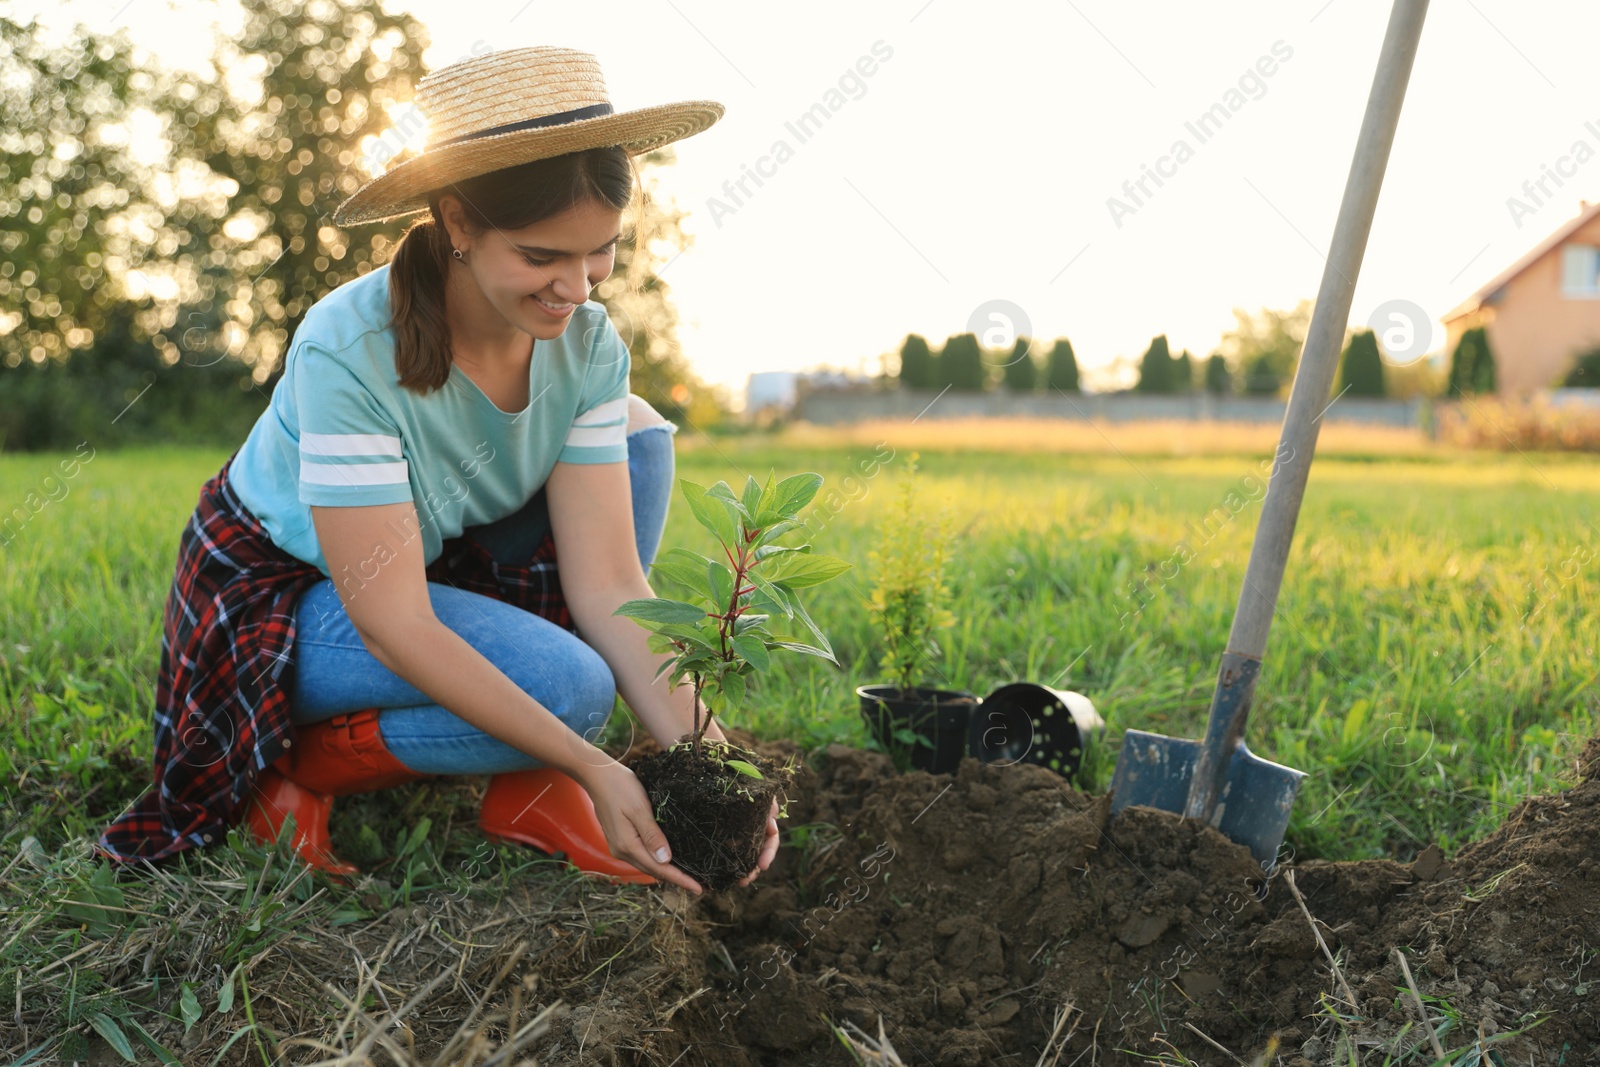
{"x": 456, "y": 252}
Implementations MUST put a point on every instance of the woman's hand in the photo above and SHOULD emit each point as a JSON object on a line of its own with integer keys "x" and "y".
{"x": 632, "y": 834}
{"x": 768, "y": 850}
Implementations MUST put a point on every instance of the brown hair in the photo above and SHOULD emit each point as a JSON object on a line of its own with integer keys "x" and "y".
{"x": 505, "y": 199}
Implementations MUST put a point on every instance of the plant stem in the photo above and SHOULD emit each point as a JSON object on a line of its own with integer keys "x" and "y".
{"x": 698, "y": 729}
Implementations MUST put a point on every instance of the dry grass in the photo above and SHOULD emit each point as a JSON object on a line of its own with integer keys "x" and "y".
{"x": 1524, "y": 424}
{"x": 239, "y": 955}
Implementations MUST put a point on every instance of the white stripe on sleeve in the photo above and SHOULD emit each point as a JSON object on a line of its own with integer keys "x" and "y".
{"x": 597, "y": 436}
{"x": 355, "y": 473}
{"x": 602, "y": 414}
{"x": 349, "y": 444}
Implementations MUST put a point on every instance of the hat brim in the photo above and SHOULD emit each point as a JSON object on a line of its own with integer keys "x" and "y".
{"x": 404, "y": 188}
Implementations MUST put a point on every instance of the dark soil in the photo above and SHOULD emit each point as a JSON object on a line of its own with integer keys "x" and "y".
{"x": 715, "y": 817}
{"x": 968, "y": 909}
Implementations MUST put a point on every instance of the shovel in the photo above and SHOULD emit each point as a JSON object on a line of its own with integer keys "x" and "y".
{"x": 1217, "y": 779}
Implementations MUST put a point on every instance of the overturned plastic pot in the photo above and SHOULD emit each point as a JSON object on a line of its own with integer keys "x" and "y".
{"x": 941, "y": 716}
{"x": 1024, "y": 722}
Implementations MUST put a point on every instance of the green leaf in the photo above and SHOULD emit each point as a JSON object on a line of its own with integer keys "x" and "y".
{"x": 225, "y": 994}
{"x": 799, "y": 569}
{"x": 686, "y": 568}
{"x": 763, "y": 601}
{"x": 189, "y": 1007}
{"x": 768, "y": 551}
{"x": 107, "y": 1028}
{"x": 782, "y": 603}
{"x": 751, "y": 499}
{"x": 795, "y": 492}
{"x": 753, "y": 651}
{"x": 733, "y": 689}
{"x": 710, "y": 512}
{"x": 749, "y": 621}
{"x": 763, "y": 512}
{"x": 810, "y": 650}
{"x": 744, "y": 768}
{"x": 418, "y": 834}
{"x": 815, "y": 630}
{"x": 724, "y": 492}
{"x": 155, "y": 1046}
{"x": 660, "y": 609}
{"x": 776, "y": 530}
{"x": 721, "y": 579}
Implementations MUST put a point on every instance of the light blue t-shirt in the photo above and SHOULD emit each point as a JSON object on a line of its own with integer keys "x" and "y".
{"x": 341, "y": 431}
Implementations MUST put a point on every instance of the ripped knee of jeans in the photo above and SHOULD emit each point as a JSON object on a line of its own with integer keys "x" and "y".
{"x": 642, "y": 416}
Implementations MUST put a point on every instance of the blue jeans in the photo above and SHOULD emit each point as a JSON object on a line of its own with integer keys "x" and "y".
{"x": 334, "y": 672}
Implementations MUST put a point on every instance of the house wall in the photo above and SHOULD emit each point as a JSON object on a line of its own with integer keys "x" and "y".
{"x": 1534, "y": 330}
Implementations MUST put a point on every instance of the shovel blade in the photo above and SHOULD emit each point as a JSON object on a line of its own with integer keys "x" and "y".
{"x": 1154, "y": 771}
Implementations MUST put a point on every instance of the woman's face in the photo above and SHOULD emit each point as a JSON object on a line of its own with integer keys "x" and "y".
{"x": 537, "y": 275}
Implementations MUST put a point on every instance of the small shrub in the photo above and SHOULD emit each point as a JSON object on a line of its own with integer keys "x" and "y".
{"x": 1585, "y": 372}
{"x": 909, "y": 597}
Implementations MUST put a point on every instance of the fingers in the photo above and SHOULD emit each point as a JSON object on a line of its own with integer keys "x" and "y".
{"x": 648, "y": 851}
{"x": 771, "y": 848}
{"x": 768, "y": 851}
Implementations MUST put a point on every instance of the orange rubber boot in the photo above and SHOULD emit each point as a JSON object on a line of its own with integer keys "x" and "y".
{"x": 549, "y": 810}
{"x": 333, "y": 758}
{"x": 275, "y": 799}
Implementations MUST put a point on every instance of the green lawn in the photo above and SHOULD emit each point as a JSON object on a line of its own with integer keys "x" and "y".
{"x": 1433, "y": 658}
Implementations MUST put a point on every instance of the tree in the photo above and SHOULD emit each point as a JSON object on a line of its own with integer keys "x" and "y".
{"x": 917, "y": 368}
{"x": 961, "y": 364}
{"x": 1183, "y": 372}
{"x": 1021, "y": 373}
{"x": 1471, "y": 365}
{"x": 1360, "y": 367}
{"x": 1218, "y": 378}
{"x": 219, "y": 243}
{"x": 1157, "y": 370}
{"x": 1265, "y": 347}
{"x": 1061, "y": 367}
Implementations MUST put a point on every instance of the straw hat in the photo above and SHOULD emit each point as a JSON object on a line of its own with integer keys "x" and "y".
{"x": 515, "y": 106}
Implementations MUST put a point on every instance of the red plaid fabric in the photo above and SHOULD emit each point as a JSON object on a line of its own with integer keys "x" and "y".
{"x": 222, "y": 694}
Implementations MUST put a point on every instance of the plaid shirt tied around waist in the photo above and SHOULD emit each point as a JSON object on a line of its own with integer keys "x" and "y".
{"x": 222, "y": 694}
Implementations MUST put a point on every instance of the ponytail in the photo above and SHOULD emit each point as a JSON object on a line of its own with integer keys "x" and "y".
{"x": 416, "y": 293}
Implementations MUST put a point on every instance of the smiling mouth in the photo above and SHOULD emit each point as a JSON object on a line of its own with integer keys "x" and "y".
{"x": 557, "y": 308}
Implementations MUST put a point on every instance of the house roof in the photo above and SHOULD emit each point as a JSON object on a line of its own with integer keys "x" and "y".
{"x": 1488, "y": 293}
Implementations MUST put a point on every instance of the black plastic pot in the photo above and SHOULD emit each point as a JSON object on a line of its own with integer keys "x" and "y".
{"x": 1024, "y": 722}
{"x": 942, "y": 716}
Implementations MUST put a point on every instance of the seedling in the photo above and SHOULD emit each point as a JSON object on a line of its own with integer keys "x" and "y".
{"x": 718, "y": 635}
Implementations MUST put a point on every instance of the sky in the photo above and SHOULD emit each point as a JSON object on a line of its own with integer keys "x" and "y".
{"x": 985, "y": 156}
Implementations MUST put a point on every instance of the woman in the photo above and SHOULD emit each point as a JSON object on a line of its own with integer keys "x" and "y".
{"x": 368, "y": 592}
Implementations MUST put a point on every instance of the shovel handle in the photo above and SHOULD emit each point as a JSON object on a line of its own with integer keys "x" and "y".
{"x": 1308, "y": 399}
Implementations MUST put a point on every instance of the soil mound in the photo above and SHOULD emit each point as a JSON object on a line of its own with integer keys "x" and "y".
{"x": 981, "y": 913}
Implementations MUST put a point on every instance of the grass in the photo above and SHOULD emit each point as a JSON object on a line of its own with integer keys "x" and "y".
{"x": 1430, "y": 664}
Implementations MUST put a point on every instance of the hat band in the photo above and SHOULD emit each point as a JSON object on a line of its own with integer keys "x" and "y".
{"x": 560, "y": 118}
